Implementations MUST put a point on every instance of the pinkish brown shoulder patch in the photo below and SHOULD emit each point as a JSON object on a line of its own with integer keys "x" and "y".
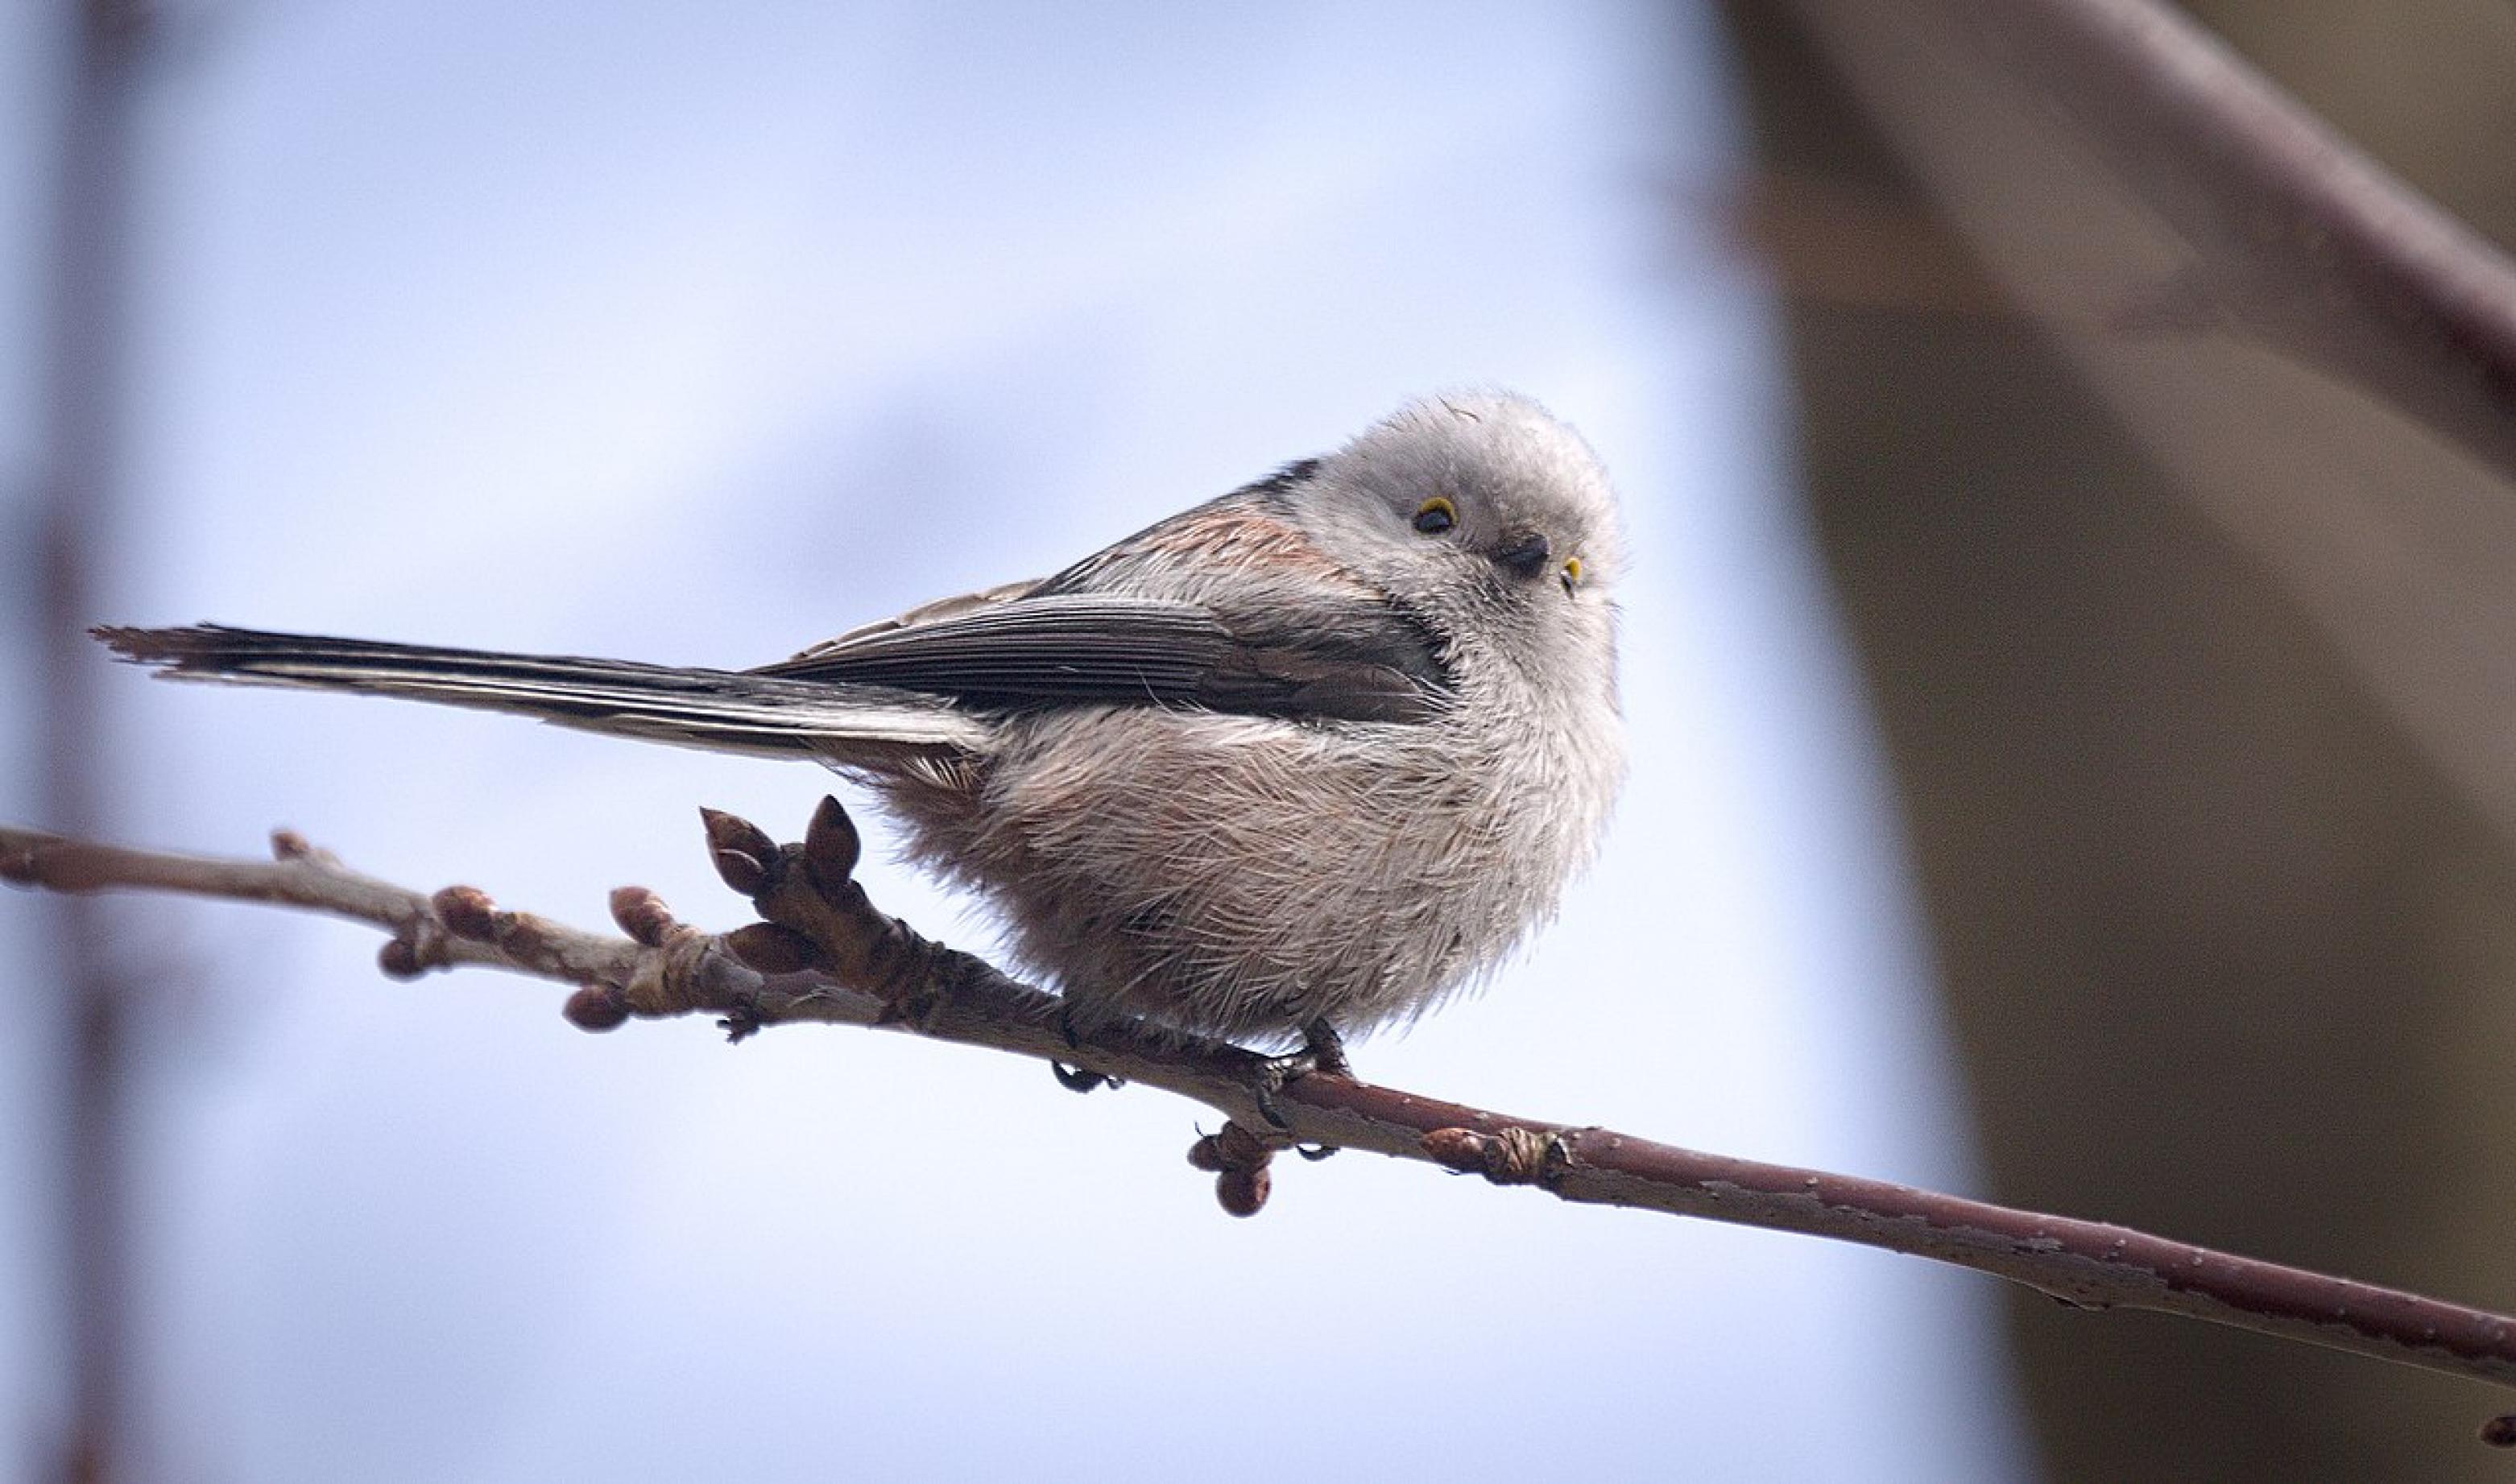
{"x": 1229, "y": 535}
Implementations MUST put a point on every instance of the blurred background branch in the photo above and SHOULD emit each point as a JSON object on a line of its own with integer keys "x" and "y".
{"x": 78, "y": 514}
{"x": 2184, "y": 591}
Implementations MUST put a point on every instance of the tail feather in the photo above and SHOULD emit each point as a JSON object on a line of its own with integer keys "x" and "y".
{"x": 716, "y": 710}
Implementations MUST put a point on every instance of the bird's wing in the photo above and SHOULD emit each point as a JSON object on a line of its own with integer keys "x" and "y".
{"x": 1273, "y": 629}
{"x": 1067, "y": 648}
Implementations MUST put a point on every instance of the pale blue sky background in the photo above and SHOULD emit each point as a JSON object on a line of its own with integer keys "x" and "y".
{"x": 695, "y": 333}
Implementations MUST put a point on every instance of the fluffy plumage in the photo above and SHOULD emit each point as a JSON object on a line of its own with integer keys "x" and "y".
{"x": 1324, "y": 748}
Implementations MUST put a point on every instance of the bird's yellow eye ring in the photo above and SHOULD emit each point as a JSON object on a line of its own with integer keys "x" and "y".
{"x": 1572, "y": 569}
{"x": 1436, "y": 515}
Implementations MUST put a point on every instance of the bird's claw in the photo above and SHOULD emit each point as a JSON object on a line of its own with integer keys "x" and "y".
{"x": 1080, "y": 1079}
{"x": 1322, "y": 1051}
{"x": 1326, "y": 1049}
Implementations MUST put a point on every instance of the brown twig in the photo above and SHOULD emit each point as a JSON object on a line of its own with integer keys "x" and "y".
{"x": 823, "y": 953}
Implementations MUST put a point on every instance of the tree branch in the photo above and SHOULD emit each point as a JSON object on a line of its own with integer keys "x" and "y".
{"x": 823, "y": 953}
{"x": 2292, "y": 233}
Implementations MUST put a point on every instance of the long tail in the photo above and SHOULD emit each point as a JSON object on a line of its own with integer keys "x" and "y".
{"x": 716, "y": 710}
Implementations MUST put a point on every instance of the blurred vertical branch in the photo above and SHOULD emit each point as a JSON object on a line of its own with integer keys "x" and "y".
{"x": 2183, "y": 590}
{"x": 87, "y": 297}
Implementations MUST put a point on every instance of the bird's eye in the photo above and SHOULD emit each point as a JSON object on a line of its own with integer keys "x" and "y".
{"x": 1436, "y": 515}
{"x": 1572, "y": 573}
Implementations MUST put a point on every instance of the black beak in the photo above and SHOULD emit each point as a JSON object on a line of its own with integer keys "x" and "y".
{"x": 1525, "y": 556}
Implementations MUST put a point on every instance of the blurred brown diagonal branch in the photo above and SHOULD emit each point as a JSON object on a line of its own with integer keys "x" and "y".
{"x": 2188, "y": 646}
{"x": 2343, "y": 401}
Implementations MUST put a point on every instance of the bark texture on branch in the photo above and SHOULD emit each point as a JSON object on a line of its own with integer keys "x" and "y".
{"x": 823, "y": 953}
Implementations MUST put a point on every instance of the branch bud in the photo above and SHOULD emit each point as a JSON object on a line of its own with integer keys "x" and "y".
{"x": 742, "y": 850}
{"x": 1243, "y": 1192}
{"x": 1509, "y": 1156}
{"x": 831, "y": 847}
{"x": 642, "y": 915}
{"x": 1462, "y": 1150}
{"x": 771, "y": 949}
{"x": 467, "y": 913}
{"x": 399, "y": 958}
{"x": 596, "y": 1007}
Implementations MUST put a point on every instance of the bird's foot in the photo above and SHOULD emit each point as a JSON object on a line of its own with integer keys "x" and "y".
{"x": 1083, "y": 1079}
{"x": 1322, "y": 1051}
{"x": 1326, "y": 1047}
{"x": 1078, "y": 1079}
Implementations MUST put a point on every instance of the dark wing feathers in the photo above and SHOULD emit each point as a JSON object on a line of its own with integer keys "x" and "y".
{"x": 1374, "y": 664}
{"x": 1081, "y": 646}
{"x": 1069, "y": 648}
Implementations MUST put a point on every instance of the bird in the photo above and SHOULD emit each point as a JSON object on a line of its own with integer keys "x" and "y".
{"x": 1296, "y": 763}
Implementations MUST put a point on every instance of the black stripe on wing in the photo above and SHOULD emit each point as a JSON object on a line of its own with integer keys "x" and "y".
{"x": 1068, "y": 649}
